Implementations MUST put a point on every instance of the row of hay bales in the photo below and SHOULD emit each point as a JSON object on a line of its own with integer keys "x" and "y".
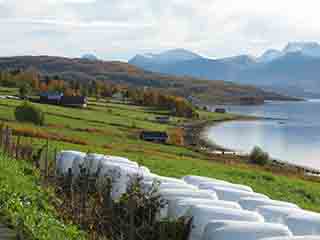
{"x": 220, "y": 210}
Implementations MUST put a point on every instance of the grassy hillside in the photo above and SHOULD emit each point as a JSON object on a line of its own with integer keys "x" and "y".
{"x": 112, "y": 128}
{"x": 123, "y": 73}
{"x": 23, "y": 200}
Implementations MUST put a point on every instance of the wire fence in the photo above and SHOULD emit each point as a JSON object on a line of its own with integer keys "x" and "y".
{"x": 83, "y": 200}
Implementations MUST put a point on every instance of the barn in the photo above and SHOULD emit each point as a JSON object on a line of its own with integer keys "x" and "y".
{"x": 153, "y": 136}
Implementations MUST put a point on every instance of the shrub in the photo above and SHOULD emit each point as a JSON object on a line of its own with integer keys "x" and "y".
{"x": 258, "y": 156}
{"x": 24, "y": 90}
{"x": 28, "y": 112}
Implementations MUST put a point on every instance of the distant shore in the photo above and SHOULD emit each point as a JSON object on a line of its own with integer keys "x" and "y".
{"x": 196, "y": 136}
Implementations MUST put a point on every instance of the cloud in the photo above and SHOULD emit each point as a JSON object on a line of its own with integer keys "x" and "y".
{"x": 116, "y": 29}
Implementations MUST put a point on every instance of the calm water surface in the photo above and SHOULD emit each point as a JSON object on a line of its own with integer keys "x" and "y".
{"x": 296, "y": 138}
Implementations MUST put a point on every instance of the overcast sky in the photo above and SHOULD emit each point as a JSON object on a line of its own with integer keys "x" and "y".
{"x": 118, "y": 29}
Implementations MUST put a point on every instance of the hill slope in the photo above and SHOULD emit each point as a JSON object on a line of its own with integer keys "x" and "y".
{"x": 119, "y": 72}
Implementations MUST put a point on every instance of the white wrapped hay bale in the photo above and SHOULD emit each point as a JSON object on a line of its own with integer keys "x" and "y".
{"x": 172, "y": 195}
{"x": 77, "y": 164}
{"x": 203, "y": 214}
{"x": 120, "y": 160}
{"x": 252, "y": 204}
{"x": 186, "y": 193}
{"x": 145, "y": 170}
{"x": 303, "y": 223}
{"x": 92, "y": 162}
{"x": 234, "y": 195}
{"x": 147, "y": 186}
{"x": 168, "y": 179}
{"x": 205, "y": 185}
{"x": 197, "y": 180}
{"x": 65, "y": 160}
{"x": 276, "y": 214}
{"x": 180, "y": 207}
{"x": 232, "y": 230}
{"x": 121, "y": 177}
{"x": 294, "y": 238}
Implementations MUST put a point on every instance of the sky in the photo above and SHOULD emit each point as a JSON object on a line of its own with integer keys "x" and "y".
{"x": 119, "y": 29}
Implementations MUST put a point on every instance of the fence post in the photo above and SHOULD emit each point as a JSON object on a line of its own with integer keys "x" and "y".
{"x": 46, "y": 160}
{"x": 7, "y": 141}
{"x": 1, "y": 134}
{"x": 132, "y": 227}
{"x": 17, "y": 147}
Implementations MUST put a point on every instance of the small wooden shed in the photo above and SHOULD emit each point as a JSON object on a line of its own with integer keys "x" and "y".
{"x": 154, "y": 136}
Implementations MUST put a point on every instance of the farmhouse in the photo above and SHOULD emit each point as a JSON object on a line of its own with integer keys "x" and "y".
{"x": 74, "y": 101}
{"x": 160, "y": 137}
{"x": 59, "y": 99}
{"x": 163, "y": 119}
{"x": 51, "y": 97}
{"x": 220, "y": 110}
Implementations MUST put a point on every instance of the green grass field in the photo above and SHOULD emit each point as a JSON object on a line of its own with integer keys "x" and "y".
{"x": 23, "y": 200}
{"x": 113, "y": 129}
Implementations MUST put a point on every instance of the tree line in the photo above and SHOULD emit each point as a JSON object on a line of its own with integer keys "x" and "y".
{"x": 31, "y": 82}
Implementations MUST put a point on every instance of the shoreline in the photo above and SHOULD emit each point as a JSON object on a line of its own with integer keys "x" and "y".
{"x": 195, "y": 137}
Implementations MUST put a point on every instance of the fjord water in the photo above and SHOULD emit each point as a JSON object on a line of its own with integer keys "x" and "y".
{"x": 293, "y": 137}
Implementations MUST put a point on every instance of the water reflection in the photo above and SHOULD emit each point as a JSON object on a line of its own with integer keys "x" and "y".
{"x": 296, "y": 139}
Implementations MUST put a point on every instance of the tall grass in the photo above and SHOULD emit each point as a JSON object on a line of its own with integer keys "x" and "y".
{"x": 23, "y": 200}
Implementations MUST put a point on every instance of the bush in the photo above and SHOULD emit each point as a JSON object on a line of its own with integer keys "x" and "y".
{"x": 24, "y": 90}
{"x": 28, "y": 112}
{"x": 258, "y": 156}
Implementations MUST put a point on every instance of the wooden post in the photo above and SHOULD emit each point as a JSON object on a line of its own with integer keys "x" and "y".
{"x": 46, "y": 165}
{"x": 20, "y": 230}
{"x": 7, "y": 140}
{"x": 132, "y": 227}
{"x": 54, "y": 163}
{"x": 1, "y": 134}
{"x": 18, "y": 147}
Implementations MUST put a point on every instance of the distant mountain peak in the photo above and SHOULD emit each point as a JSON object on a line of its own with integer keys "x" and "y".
{"x": 170, "y": 56}
{"x": 305, "y": 48}
{"x": 270, "y": 55}
{"x": 90, "y": 56}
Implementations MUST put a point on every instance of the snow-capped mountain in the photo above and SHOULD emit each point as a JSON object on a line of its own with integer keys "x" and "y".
{"x": 90, "y": 57}
{"x": 270, "y": 55}
{"x": 310, "y": 49}
{"x": 171, "y": 56}
{"x": 305, "y": 48}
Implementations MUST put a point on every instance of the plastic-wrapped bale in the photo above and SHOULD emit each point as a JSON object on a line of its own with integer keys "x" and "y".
{"x": 121, "y": 177}
{"x": 162, "y": 179}
{"x": 303, "y": 223}
{"x": 145, "y": 169}
{"x": 252, "y": 204}
{"x": 232, "y": 230}
{"x": 180, "y": 207}
{"x": 203, "y": 214}
{"x": 205, "y": 185}
{"x": 123, "y": 163}
{"x": 65, "y": 160}
{"x": 77, "y": 164}
{"x": 294, "y": 238}
{"x": 197, "y": 180}
{"x": 276, "y": 214}
{"x": 173, "y": 195}
{"x": 122, "y": 160}
{"x": 92, "y": 162}
{"x": 147, "y": 186}
{"x": 234, "y": 195}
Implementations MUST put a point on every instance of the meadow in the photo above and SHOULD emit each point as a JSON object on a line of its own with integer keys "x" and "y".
{"x": 113, "y": 128}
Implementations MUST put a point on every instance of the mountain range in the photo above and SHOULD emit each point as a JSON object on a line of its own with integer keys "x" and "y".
{"x": 293, "y": 71}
